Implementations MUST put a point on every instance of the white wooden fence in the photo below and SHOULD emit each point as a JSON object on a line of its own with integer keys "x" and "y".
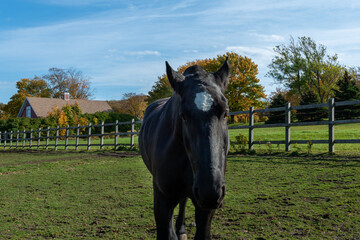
{"x": 42, "y": 137}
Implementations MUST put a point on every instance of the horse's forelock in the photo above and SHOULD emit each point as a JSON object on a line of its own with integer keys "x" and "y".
{"x": 195, "y": 70}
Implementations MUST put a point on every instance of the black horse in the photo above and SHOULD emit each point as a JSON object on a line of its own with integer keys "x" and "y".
{"x": 184, "y": 143}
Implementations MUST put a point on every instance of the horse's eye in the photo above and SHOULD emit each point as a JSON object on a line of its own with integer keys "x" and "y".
{"x": 225, "y": 115}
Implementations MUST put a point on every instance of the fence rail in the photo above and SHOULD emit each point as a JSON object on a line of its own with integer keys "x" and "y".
{"x": 331, "y": 122}
{"x": 41, "y": 137}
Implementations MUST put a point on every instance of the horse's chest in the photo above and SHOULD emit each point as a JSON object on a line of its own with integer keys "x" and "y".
{"x": 173, "y": 177}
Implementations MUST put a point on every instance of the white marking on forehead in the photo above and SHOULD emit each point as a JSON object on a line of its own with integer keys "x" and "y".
{"x": 203, "y": 101}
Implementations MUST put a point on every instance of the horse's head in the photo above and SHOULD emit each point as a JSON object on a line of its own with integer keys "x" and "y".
{"x": 203, "y": 113}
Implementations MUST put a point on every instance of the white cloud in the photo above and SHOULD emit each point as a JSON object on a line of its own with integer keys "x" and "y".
{"x": 75, "y": 2}
{"x": 142, "y": 53}
{"x": 269, "y": 38}
{"x": 251, "y": 51}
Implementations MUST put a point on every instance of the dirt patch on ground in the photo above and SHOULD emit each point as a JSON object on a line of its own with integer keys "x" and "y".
{"x": 120, "y": 154}
{"x": 12, "y": 173}
{"x": 73, "y": 155}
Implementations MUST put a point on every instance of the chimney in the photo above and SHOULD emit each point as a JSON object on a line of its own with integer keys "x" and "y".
{"x": 66, "y": 96}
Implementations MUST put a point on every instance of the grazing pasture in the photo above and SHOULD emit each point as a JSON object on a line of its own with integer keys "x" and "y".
{"x": 108, "y": 195}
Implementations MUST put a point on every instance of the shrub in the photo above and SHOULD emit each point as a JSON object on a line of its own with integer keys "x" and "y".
{"x": 240, "y": 144}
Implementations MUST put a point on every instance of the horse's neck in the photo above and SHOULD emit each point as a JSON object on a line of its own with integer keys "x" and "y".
{"x": 173, "y": 110}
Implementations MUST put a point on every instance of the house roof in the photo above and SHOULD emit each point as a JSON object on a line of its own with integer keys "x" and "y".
{"x": 43, "y": 106}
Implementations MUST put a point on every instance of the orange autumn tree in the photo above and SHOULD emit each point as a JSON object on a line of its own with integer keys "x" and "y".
{"x": 35, "y": 87}
{"x": 68, "y": 115}
{"x": 243, "y": 90}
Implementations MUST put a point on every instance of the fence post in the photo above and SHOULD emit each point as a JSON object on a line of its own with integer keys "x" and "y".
{"x": 5, "y": 138}
{"x": 56, "y": 137}
{"x": 11, "y": 138}
{"x": 67, "y": 137}
{"x": 102, "y": 136}
{"x": 331, "y": 125}
{"x": 47, "y": 138}
{"x": 31, "y": 136}
{"x": 17, "y": 139}
{"x": 287, "y": 128}
{"x": 39, "y": 136}
{"x": 116, "y": 134}
{"x": 251, "y": 129}
{"x": 24, "y": 138}
{"x": 132, "y": 136}
{"x": 77, "y": 137}
{"x": 89, "y": 137}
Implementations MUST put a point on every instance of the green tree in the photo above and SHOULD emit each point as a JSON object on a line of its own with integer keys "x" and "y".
{"x": 305, "y": 66}
{"x": 347, "y": 91}
{"x": 313, "y": 114}
{"x": 278, "y": 117}
{"x": 35, "y": 87}
{"x": 161, "y": 89}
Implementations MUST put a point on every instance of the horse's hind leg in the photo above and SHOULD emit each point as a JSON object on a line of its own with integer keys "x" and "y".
{"x": 180, "y": 221}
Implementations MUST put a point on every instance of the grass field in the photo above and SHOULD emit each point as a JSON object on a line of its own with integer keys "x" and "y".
{"x": 108, "y": 195}
{"x": 266, "y": 135}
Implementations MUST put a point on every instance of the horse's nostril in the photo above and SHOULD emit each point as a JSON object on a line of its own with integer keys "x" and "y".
{"x": 222, "y": 193}
{"x": 223, "y": 189}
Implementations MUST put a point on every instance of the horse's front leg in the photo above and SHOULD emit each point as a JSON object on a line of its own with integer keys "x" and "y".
{"x": 164, "y": 210}
{"x": 203, "y": 219}
{"x": 180, "y": 221}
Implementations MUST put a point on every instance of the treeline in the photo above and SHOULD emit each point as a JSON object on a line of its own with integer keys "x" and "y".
{"x": 346, "y": 89}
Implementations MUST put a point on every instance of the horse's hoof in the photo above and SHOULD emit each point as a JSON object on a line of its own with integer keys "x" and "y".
{"x": 183, "y": 237}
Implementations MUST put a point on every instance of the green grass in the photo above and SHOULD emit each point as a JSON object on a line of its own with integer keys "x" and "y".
{"x": 346, "y": 131}
{"x": 108, "y": 195}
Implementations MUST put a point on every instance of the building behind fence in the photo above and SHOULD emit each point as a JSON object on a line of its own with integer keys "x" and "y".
{"x": 51, "y": 137}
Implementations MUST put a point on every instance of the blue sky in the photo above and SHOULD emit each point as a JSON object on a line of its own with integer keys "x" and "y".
{"x": 123, "y": 45}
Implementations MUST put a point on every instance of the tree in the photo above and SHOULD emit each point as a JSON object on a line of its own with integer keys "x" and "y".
{"x": 68, "y": 80}
{"x": 3, "y": 114}
{"x": 355, "y": 73}
{"x": 243, "y": 89}
{"x": 313, "y": 114}
{"x": 68, "y": 115}
{"x": 347, "y": 91}
{"x": 132, "y": 104}
{"x": 161, "y": 89}
{"x": 291, "y": 97}
{"x": 35, "y": 87}
{"x": 304, "y": 66}
{"x": 278, "y": 117}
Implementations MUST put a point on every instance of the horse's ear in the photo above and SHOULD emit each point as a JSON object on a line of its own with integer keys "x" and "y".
{"x": 223, "y": 74}
{"x": 174, "y": 77}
